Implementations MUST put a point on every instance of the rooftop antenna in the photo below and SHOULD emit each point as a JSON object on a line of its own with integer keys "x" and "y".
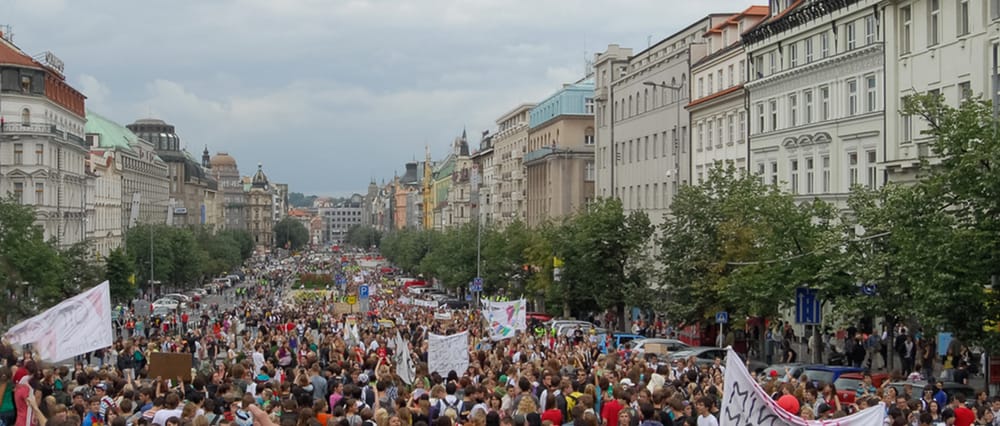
{"x": 7, "y": 32}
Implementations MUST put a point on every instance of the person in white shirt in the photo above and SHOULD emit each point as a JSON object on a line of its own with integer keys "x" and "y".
{"x": 258, "y": 360}
{"x": 173, "y": 409}
{"x": 704, "y": 407}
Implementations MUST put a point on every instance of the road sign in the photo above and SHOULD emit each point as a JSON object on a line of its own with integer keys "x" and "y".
{"x": 807, "y": 306}
{"x": 477, "y": 285}
{"x": 468, "y": 297}
{"x": 352, "y": 300}
{"x": 363, "y": 291}
{"x": 868, "y": 289}
{"x": 721, "y": 317}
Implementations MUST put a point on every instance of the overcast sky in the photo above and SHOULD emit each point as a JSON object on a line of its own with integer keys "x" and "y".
{"x": 328, "y": 94}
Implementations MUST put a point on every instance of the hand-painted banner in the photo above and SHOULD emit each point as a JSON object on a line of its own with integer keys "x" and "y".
{"x": 448, "y": 353}
{"x": 744, "y": 402}
{"x": 404, "y": 363}
{"x": 504, "y": 319}
{"x": 75, "y": 326}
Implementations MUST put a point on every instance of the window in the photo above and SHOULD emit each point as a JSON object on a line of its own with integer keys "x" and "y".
{"x": 934, "y": 22}
{"x": 826, "y": 173}
{"x": 964, "y": 91}
{"x": 794, "y": 181}
{"x": 40, "y": 154}
{"x": 824, "y": 44}
{"x": 905, "y": 30}
{"x": 39, "y": 193}
{"x": 808, "y": 97}
{"x": 718, "y": 132}
{"x": 701, "y": 136}
{"x": 718, "y": 78}
{"x": 729, "y": 80}
{"x": 701, "y": 87}
{"x": 758, "y": 66}
{"x": 774, "y": 114}
{"x": 731, "y": 129}
{"x": 852, "y": 169}
{"x": 851, "y": 36}
{"x": 809, "y": 49}
{"x": 824, "y": 103}
{"x": 19, "y": 192}
{"x": 760, "y": 172}
{"x": 872, "y": 168}
{"x": 588, "y": 105}
{"x": 588, "y": 136}
{"x": 656, "y": 143}
{"x": 760, "y": 118}
{"x": 711, "y": 85}
{"x": 995, "y": 9}
{"x": 810, "y": 180}
{"x": 588, "y": 171}
{"x": 852, "y": 97}
{"x": 869, "y": 29}
{"x": 871, "y": 97}
{"x": 772, "y": 59}
{"x": 25, "y": 117}
{"x": 645, "y": 148}
{"x": 793, "y": 110}
{"x": 774, "y": 173}
{"x": 963, "y": 17}
{"x": 25, "y": 84}
{"x": 743, "y": 125}
{"x": 743, "y": 69}
{"x": 793, "y": 55}
{"x": 18, "y": 153}
{"x": 710, "y": 135}
{"x": 906, "y": 128}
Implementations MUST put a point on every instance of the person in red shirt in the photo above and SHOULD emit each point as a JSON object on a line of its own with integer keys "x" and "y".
{"x": 964, "y": 416}
{"x": 552, "y": 412}
{"x": 609, "y": 412}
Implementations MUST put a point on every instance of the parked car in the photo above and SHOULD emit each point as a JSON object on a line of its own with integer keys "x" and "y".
{"x": 796, "y": 368}
{"x": 847, "y": 384}
{"x": 657, "y": 345}
{"x": 180, "y": 297}
{"x": 828, "y": 373}
{"x": 624, "y": 338}
{"x": 950, "y": 388}
{"x": 166, "y": 303}
{"x": 706, "y": 355}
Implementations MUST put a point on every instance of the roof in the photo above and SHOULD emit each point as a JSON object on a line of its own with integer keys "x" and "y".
{"x": 12, "y": 55}
{"x": 715, "y": 95}
{"x": 735, "y": 19}
{"x": 222, "y": 159}
{"x": 259, "y": 179}
{"x": 112, "y": 135}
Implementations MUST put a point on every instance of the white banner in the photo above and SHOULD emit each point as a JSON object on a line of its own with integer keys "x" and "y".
{"x": 448, "y": 353}
{"x": 75, "y": 326}
{"x": 504, "y": 319}
{"x": 404, "y": 362}
{"x": 744, "y": 402}
{"x": 418, "y": 302}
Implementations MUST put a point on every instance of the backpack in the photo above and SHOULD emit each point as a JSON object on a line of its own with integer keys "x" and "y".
{"x": 444, "y": 406}
{"x": 570, "y": 403}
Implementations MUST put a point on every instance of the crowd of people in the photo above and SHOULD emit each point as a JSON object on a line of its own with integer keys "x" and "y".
{"x": 272, "y": 359}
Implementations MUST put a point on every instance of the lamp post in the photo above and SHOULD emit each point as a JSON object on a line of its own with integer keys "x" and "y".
{"x": 677, "y": 126}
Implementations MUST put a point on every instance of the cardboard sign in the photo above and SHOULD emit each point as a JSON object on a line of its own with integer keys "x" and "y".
{"x": 170, "y": 365}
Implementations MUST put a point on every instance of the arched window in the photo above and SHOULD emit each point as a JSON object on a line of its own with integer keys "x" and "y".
{"x": 25, "y": 117}
{"x": 645, "y": 100}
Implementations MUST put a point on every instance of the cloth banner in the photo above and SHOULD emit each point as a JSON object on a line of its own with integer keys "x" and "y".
{"x": 448, "y": 353}
{"x": 504, "y": 319}
{"x": 744, "y": 402}
{"x": 404, "y": 362}
{"x": 418, "y": 302}
{"x": 75, "y": 326}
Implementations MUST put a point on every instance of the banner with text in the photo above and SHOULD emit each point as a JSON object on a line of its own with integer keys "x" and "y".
{"x": 75, "y": 326}
{"x": 404, "y": 362}
{"x": 744, "y": 402}
{"x": 448, "y": 353}
{"x": 418, "y": 302}
{"x": 504, "y": 319}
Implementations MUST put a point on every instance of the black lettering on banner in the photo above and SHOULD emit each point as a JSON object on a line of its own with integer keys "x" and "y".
{"x": 742, "y": 408}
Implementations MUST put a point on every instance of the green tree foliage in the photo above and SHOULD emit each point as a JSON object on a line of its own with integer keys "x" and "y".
{"x": 119, "y": 270}
{"x": 297, "y": 199}
{"x": 27, "y": 262}
{"x": 243, "y": 240}
{"x": 184, "y": 257}
{"x": 363, "y": 236}
{"x": 290, "y": 233}
{"x": 82, "y": 265}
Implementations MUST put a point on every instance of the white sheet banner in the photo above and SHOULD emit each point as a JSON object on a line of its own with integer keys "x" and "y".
{"x": 404, "y": 362}
{"x": 418, "y": 302}
{"x": 504, "y": 319}
{"x": 75, "y": 326}
{"x": 744, "y": 402}
{"x": 448, "y": 353}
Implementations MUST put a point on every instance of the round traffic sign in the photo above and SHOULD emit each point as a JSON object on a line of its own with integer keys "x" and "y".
{"x": 352, "y": 300}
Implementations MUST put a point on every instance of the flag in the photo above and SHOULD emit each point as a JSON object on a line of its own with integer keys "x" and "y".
{"x": 75, "y": 326}
{"x": 404, "y": 362}
{"x": 504, "y": 319}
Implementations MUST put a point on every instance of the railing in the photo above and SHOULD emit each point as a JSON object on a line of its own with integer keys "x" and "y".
{"x": 40, "y": 129}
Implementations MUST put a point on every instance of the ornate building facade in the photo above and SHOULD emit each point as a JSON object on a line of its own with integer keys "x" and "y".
{"x": 233, "y": 198}
{"x": 260, "y": 207}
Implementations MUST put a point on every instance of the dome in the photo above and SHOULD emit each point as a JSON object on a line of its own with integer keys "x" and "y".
{"x": 150, "y": 121}
{"x": 222, "y": 159}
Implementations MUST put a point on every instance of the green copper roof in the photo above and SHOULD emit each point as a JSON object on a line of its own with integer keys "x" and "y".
{"x": 112, "y": 135}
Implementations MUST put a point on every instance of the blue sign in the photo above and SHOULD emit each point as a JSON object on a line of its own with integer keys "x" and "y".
{"x": 869, "y": 289}
{"x": 363, "y": 291}
{"x": 477, "y": 285}
{"x": 468, "y": 297}
{"x": 807, "y": 306}
{"x": 722, "y": 317}
{"x": 341, "y": 281}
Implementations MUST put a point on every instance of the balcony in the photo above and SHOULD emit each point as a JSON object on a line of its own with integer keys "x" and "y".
{"x": 40, "y": 129}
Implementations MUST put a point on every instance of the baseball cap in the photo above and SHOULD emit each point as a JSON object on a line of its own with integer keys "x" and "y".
{"x": 627, "y": 382}
{"x": 101, "y": 386}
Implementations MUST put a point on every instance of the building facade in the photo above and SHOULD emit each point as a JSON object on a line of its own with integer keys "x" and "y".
{"x": 233, "y": 199}
{"x": 339, "y": 218}
{"x": 510, "y": 143}
{"x": 42, "y": 148}
{"x": 483, "y": 182}
{"x": 192, "y": 188}
{"x": 260, "y": 208}
{"x": 717, "y": 109}
{"x": 280, "y": 201}
{"x": 938, "y": 47}
{"x": 643, "y": 144}
{"x": 816, "y": 98}
{"x": 105, "y": 229}
{"x": 560, "y": 158}
{"x": 407, "y": 198}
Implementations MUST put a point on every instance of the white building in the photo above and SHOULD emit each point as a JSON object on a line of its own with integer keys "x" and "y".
{"x": 42, "y": 148}
{"x": 104, "y": 222}
{"x": 484, "y": 183}
{"x": 816, "y": 97}
{"x": 718, "y": 107}
{"x": 938, "y": 46}
{"x": 510, "y": 143}
{"x": 642, "y": 147}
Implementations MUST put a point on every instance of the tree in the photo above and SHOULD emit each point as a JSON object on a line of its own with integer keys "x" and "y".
{"x": 28, "y": 264}
{"x": 290, "y": 233}
{"x": 243, "y": 240}
{"x": 297, "y": 199}
{"x": 150, "y": 243}
{"x": 363, "y": 236}
{"x": 81, "y": 267}
{"x": 119, "y": 273}
{"x": 188, "y": 258}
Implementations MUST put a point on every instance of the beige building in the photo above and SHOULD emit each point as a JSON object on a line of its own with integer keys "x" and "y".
{"x": 717, "y": 108}
{"x": 233, "y": 197}
{"x": 483, "y": 182}
{"x": 643, "y": 146}
{"x": 560, "y": 157}
{"x": 260, "y": 208}
{"x": 510, "y": 143}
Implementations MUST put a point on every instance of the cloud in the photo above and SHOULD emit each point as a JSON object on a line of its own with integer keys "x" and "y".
{"x": 98, "y": 94}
